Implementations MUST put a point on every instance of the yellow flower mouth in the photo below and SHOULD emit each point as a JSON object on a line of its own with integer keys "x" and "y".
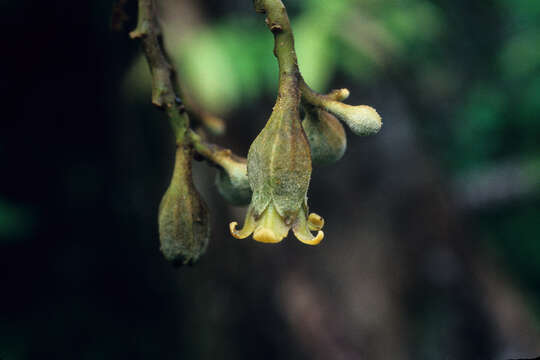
{"x": 271, "y": 228}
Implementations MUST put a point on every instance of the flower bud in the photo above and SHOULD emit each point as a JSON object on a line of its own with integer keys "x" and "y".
{"x": 339, "y": 94}
{"x": 184, "y": 229}
{"x": 361, "y": 119}
{"x": 325, "y": 134}
{"x": 232, "y": 181}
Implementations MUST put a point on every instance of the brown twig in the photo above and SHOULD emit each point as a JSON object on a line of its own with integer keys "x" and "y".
{"x": 164, "y": 94}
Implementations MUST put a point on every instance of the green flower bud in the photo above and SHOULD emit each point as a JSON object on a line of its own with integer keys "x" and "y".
{"x": 184, "y": 228}
{"x": 325, "y": 134}
{"x": 232, "y": 181}
{"x": 361, "y": 119}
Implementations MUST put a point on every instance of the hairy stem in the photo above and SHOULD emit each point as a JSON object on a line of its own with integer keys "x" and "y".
{"x": 278, "y": 23}
{"x": 315, "y": 99}
{"x": 213, "y": 153}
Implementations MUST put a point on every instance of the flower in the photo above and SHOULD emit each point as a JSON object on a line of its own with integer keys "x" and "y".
{"x": 184, "y": 229}
{"x": 279, "y": 171}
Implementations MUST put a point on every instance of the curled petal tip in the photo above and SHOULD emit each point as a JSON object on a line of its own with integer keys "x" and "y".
{"x": 265, "y": 235}
{"x": 315, "y": 222}
{"x": 232, "y": 228}
{"x": 315, "y": 240}
{"x": 318, "y": 238}
{"x": 305, "y": 224}
{"x": 239, "y": 234}
{"x": 302, "y": 233}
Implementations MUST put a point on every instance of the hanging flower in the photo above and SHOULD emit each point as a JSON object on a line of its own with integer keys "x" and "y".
{"x": 184, "y": 229}
{"x": 279, "y": 171}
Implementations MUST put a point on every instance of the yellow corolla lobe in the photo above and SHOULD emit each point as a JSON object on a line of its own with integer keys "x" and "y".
{"x": 270, "y": 227}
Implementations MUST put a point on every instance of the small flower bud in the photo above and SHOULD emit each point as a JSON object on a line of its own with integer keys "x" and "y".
{"x": 339, "y": 94}
{"x": 361, "y": 119}
{"x": 325, "y": 134}
{"x": 184, "y": 228}
{"x": 232, "y": 181}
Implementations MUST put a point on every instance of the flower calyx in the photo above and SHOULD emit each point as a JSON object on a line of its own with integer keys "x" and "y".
{"x": 279, "y": 171}
{"x": 184, "y": 229}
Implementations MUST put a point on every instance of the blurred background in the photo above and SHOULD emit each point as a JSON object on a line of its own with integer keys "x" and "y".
{"x": 432, "y": 246}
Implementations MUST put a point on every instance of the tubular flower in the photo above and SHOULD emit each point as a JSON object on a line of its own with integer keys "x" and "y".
{"x": 184, "y": 229}
{"x": 279, "y": 171}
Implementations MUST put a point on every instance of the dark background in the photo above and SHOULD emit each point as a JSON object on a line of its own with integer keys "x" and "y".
{"x": 432, "y": 246}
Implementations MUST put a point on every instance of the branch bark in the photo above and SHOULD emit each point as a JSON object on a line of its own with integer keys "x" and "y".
{"x": 164, "y": 94}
